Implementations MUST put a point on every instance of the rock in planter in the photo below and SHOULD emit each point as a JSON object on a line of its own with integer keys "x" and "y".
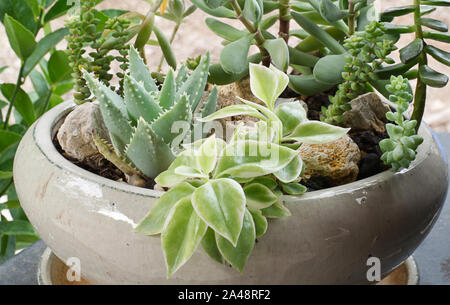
{"x": 76, "y": 133}
{"x": 337, "y": 162}
{"x": 368, "y": 112}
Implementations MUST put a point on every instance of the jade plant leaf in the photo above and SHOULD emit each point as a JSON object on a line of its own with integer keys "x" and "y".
{"x": 181, "y": 235}
{"x": 411, "y": 51}
{"x": 315, "y": 132}
{"x": 279, "y": 52}
{"x": 330, "y": 12}
{"x": 209, "y": 245}
{"x": 253, "y": 10}
{"x": 307, "y": 84}
{"x": 434, "y": 24}
{"x": 432, "y": 78}
{"x": 291, "y": 114}
{"x": 260, "y": 222}
{"x": 233, "y": 57}
{"x": 438, "y": 54}
{"x": 224, "y": 30}
{"x": 215, "y": 3}
{"x": 154, "y": 222}
{"x": 221, "y": 204}
{"x": 238, "y": 254}
{"x": 259, "y": 196}
{"x": 248, "y": 159}
{"x": 329, "y": 69}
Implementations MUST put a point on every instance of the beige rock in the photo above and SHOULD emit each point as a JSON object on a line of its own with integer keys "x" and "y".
{"x": 75, "y": 134}
{"x": 368, "y": 113}
{"x": 336, "y": 161}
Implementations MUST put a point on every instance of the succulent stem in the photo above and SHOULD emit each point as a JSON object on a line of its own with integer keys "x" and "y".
{"x": 284, "y": 20}
{"x": 351, "y": 18}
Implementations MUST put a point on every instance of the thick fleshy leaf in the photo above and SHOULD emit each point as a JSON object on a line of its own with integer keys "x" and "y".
{"x": 154, "y": 222}
{"x": 224, "y": 30}
{"x": 221, "y": 204}
{"x": 259, "y": 196}
{"x": 307, "y": 84}
{"x": 209, "y": 245}
{"x": 260, "y": 222}
{"x": 278, "y": 51}
{"x": 215, "y": 3}
{"x": 300, "y": 58}
{"x": 330, "y": 12}
{"x": 218, "y": 76}
{"x": 233, "y": 110}
{"x": 216, "y": 12}
{"x": 436, "y": 2}
{"x": 366, "y": 15}
{"x": 438, "y": 54}
{"x": 265, "y": 180}
{"x": 432, "y": 78}
{"x": 207, "y": 155}
{"x": 21, "y": 40}
{"x": 290, "y": 172}
{"x": 139, "y": 102}
{"x": 283, "y": 81}
{"x": 181, "y": 235}
{"x": 291, "y": 114}
{"x": 190, "y": 172}
{"x": 315, "y": 132}
{"x": 249, "y": 159}
{"x": 253, "y": 10}
{"x": 169, "y": 178}
{"x": 165, "y": 47}
{"x": 168, "y": 91}
{"x": 444, "y": 37}
{"x": 238, "y": 254}
{"x": 434, "y": 24}
{"x": 411, "y": 51}
{"x": 264, "y": 84}
{"x": 276, "y": 210}
{"x": 139, "y": 71}
{"x": 293, "y": 188}
{"x": 329, "y": 69}
{"x": 233, "y": 57}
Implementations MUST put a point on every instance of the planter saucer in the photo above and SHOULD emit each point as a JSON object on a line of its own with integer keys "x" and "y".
{"x": 52, "y": 271}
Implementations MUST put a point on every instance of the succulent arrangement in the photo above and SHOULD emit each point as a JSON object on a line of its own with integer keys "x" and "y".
{"x": 221, "y": 194}
{"x": 141, "y": 125}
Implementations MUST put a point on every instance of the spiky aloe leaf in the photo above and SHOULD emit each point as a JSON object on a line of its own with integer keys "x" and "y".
{"x": 147, "y": 150}
{"x": 194, "y": 86}
{"x": 179, "y": 113}
{"x": 182, "y": 76}
{"x": 113, "y": 112}
{"x": 140, "y": 72}
{"x": 108, "y": 152}
{"x": 139, "y": 102}
{"x": 200, "y": 129}
{"x": 168, "y": 91}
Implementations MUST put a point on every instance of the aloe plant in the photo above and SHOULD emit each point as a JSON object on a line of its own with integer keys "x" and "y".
{"x": 401, "y": 147}
{"x": 221, "y": 194}
{"x": 141, "y": 125}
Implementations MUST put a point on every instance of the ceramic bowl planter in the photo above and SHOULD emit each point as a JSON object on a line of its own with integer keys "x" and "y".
{"x": 327, "y": 240}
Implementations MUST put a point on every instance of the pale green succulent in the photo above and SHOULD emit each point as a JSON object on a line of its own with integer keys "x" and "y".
{"x": 221, "y": 194}
{"x": 140, "y": 125}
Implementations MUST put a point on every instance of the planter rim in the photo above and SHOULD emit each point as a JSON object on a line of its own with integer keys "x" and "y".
{"x": 42, "y": 136}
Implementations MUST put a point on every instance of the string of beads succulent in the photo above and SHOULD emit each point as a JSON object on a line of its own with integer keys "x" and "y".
{"x": 400, "y": 149}
{"x": 367, "y": 51}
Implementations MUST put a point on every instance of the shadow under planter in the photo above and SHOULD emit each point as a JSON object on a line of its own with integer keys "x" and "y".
{"x": 327, "y": 240}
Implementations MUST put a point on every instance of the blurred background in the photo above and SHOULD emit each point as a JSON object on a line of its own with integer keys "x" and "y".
{"x": 194, "y": 39}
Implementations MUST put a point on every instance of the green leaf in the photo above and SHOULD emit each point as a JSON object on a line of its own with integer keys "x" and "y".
{"x": 43, "y": 47}
{"x": 278, "y": 51}
{"x": 411, "y": 51}
{"x": 209, "y": 245}
{"x": 221, "y": 12}
{"x": 181, "y": 236}
{"x": 301, "y": 58}
{"x": 260, "y": 222}
{"x": 59, "y": 67}
{"x": 310, "y": 43}
{"x": 233, "y": 57}
{"x": 432, "y": 78}
{"x": 444, "y": 37}
{"x": 249, "y": 159}
{"x": 139, "y": 102}
{"x": 169, "y": 178}
{"x": 224, "y": 30}
{"x": 395, "y": 29}
{"x": 207, "y": 155}
{"x": 21, "y": 11}
{"x": 389, "y": 14}
{"x": 366, "y": 16}
{"x": 277, "y": 210}
{"x": 321, "y": 35}
{"x": 291, "y": 114}
{"x": 140, "y": 72}
{"x": 20, "y": 38}
{"x": 436, "y": 2}
{"x": 166, "y": 49}
{"x": 434, "y": 24}
{"x": 218, "y": 76}
{"x": 3, "y": 68}
{"x": 329, "y": 69}
{"x": 22, "y": 103}
{"x": 315, "y": 132}
{"x": 330, "y": 12}
{"x": 59, "y": 9}
{"x": 146, "y": 145}
{"x": 5, "y": 175}
{"x": 238, "y": 254}
{"x": 12, "y": 204}
{"x": 233, "y": 110}
{"x": 253, "y": 10}
{"x": 307, "y": 84}
{"x": 438, "y": 54}
{"x": 265, "y": 180}
{"x": 293, "y": 188}
{"x": 221, "y": 204}
{"x": 259, "y": 196}
{"x": 397, "y": 69}
{"x": 154, "y": 222}
{"x": 267, "y": 84}
{"x": 39, "y": 83}
{"x": 168, "y": 91}
{"x": 215, "y": 3}
{"x": 17, "y": 227}
{"x": 291, "y": 171}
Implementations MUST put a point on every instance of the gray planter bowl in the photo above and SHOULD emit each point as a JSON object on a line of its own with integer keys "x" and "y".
{"x": 327, "y": 240}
